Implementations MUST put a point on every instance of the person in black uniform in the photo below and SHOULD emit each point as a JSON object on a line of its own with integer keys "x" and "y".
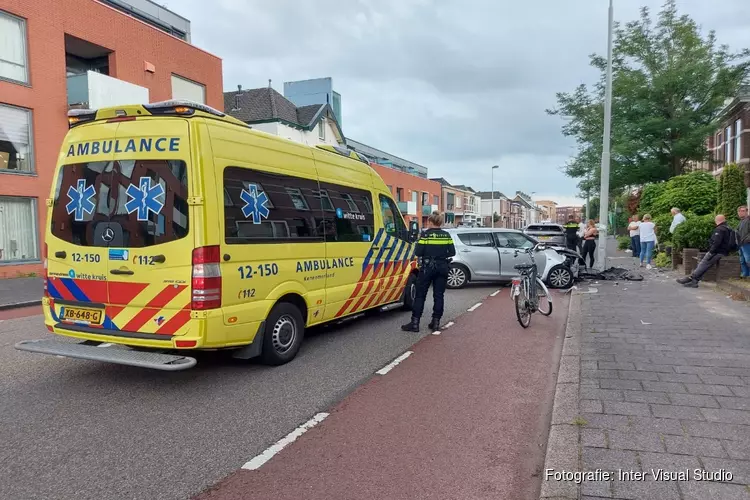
{"x": 571, "y": 233}
{"x": 434, "y": 251}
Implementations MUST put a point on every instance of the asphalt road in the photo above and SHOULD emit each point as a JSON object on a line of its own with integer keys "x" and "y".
{"x": 87, "y": 430}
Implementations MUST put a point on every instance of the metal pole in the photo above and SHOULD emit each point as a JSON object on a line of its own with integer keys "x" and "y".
{"x": 604, "y": 188}
{"x": 588, "y": 199}
{"x": 492, "y": 208}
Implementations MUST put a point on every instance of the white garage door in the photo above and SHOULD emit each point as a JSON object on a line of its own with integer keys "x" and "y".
{"x": 184, "y": 89}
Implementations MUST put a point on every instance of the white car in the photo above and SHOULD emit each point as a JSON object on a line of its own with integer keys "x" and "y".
{"x": 486, "y": 254}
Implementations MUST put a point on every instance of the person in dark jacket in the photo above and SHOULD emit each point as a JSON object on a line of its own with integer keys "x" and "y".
{"x": 571, "y": 233}
{"x": 743, "y": 232}
{"x": 434, "y": 251}
{"x": 719, "y": 248}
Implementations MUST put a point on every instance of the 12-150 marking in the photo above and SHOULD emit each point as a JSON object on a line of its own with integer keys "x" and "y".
{"x": 86, "y": 257}
{"x": 247, "y": 272}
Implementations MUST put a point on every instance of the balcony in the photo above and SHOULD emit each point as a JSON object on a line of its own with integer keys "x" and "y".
{"x": 408, "y": 207}
{"x": 428, "y": 209}
{"x": 92, "y": 90}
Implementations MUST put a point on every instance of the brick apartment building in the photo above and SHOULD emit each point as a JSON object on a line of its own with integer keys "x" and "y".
{"x": 730, "y": 143}
{"x": 58, "y": 54}
{"x": 416, "y": 196}
{"x": 564, "y": 212}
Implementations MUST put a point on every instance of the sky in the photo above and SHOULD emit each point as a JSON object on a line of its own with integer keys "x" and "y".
{"x": 455, "y": 85}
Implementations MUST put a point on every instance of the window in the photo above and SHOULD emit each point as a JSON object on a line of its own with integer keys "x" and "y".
{"x": 414, "y": 196}
{"x": 182, "y": 88}
{"x": 325, "y": 200}
{"x": 298, "y": 199}
{"x": 450, "y": 201}
{"x": 13, "y": 60}
{"x": 436, "y": 200}
{"x": 15, "y": 139}
{"x": 392, "y": 219}
{"x": 512, "y": 240}
{"x": 352, "y": 222}
{"x": 727, "y": 144}
{"x": 400, "y": 194}
{"x": 425, "y": 199}
{"x": 476, "y": 239}
{"x": 737, "y": 141}
{"x": 109, "y": 183}
{"x": 322, "y": 130}
{"x": 18, "y": 229}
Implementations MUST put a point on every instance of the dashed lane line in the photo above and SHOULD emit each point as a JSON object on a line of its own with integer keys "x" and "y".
{"x": 269, "y": 453}
{"x": 436, "y": 332}
{"x": 390, "y": 366}
{"x": 494, "y": 293}
{"x": 448, "y": 325}
{"x": 474, "y": 307}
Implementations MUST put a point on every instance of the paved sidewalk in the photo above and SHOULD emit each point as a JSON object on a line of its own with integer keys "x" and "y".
{"x": 20, "y": 292}
{"x": 464, "y": 417}
{"x": 653, "y": 376}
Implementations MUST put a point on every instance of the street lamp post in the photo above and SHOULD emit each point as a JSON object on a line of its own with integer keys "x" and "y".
{"x": 492, "y": 206}
{"x": 604, "y": 187}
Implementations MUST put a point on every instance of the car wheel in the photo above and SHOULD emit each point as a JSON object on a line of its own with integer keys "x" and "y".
{"x": 560, "y": 277}
{"x": 283, "y": 334}
{"x": 410, "y": 292}
{"x": 458, "y": 276}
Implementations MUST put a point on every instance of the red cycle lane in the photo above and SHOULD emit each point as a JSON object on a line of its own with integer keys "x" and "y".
{"x": 464, "y": 417}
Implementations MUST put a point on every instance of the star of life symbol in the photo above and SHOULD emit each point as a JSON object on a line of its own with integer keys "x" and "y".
{"x": 144, "y": 198}
{"x": 255, "y": 204}
{"x": 81, "y": 200}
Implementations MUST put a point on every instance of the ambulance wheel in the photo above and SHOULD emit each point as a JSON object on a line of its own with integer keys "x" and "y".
{"x": 410, "y": 292}
{"x": 283, "y": 336}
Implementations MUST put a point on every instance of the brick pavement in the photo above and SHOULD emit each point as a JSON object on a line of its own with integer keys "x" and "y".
{"x": 653, "y": 376}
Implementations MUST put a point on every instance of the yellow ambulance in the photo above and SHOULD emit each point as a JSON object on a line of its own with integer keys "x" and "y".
{"x": 172, "y": 227}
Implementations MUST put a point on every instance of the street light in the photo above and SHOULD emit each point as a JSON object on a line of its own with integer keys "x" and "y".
{"x": 492, "y": 206}
{"x": 604, "y": 187}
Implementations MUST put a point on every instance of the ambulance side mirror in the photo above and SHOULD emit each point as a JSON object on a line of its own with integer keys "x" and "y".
{"x": 413, "y": 231}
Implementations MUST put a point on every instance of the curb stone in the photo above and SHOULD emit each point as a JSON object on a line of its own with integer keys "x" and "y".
{"x": 563, "y": 450}
{"x": 19, "y": 305}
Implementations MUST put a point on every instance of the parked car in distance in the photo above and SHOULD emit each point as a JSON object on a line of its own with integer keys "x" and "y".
{"x": 553, "y": 234}
{"x": 487, "y": 254}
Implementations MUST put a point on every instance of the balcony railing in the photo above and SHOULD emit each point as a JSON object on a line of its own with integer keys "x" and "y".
{"x": 428, "y": 209}
{"x": 94, "y": 90}
{"x": 408, "y": 207}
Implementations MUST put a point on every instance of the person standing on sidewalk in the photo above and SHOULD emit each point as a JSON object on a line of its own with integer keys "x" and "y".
{"x": 434, "y": 250}
{"x": 743, "y": 234}
{"x": 648, "y": 240}
{"x": 677, "y": 219}
{"x": 635, "y": 236}
{"x": 720, "y": 242}
{"x": 571, "y": 234}
{"x": 589, "y": 242}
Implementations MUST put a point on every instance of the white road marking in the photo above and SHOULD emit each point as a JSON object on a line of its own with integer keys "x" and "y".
{"x": 104, "y": 345}
{"x": 494, "y": 293}
{"x": 644, "y": 323}
{"x": 448, "y": 325}
{"x": 390, "y": 366}
{"x": 436, "y": 332}
{"x": 474, "y": 307}
{"x": 269, "y": 453}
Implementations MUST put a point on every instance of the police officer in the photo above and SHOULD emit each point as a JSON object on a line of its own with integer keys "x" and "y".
{"x": 571, "y": 233}
{"x": 434, "y": 250}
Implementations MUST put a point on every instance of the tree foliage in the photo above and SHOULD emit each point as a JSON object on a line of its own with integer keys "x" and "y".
{"x": 669, "y": 85}
{"x": 695, "y": 232}
{"x": 732, "y": 190}
{"x": 695, "y": 192}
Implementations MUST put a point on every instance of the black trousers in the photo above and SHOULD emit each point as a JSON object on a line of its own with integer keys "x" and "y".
{"x": 435, "y": 274}
{"x": 708, "y": 261}
{"x": 589, "y": 246}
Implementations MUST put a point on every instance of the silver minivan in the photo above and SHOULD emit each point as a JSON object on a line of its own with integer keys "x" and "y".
{"x": 485, "y": 254}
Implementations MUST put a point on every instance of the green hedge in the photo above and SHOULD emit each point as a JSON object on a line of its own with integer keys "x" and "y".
{"x": 623, "y": 242}
{"x": 695, "y": 232}
{"x": 732, "y": 191}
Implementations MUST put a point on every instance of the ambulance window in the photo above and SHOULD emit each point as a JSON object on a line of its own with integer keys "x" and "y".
{"x": 351, "y": 221}
{"x": 261, "y": 207}
{"x": 392, "y": 220}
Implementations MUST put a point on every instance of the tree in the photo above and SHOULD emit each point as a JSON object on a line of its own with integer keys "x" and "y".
{"x": 593, "y": 208}
{"x": 495, "y": 217}
{"x": 732, "y": 191}
{"x": 669, "y": 86}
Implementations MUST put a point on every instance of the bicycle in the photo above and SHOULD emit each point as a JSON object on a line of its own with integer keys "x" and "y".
{"x": 529, "y": 291}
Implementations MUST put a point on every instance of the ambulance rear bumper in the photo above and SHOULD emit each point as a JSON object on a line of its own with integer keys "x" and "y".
{"x": 111, "y": 353}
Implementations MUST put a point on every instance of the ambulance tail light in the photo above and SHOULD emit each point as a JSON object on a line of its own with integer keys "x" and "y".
{"x": 44, "y": 270}
{"x": 206, "y": 282}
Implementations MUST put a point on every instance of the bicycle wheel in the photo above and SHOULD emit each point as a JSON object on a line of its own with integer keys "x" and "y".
{"x": 523, "y": 313}
{"x": 544, "y": 302}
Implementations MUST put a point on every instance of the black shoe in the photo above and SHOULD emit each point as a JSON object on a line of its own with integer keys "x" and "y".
{"x": 685, "y": 280}
{"x": 434, "y": 324}
{"x": 412, "y": 326}
{"x": 692, "y": 284}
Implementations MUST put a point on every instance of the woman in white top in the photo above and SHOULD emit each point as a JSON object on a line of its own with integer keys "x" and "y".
{"x": 635, "y": 236}
{"x": 648, "y": 239}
